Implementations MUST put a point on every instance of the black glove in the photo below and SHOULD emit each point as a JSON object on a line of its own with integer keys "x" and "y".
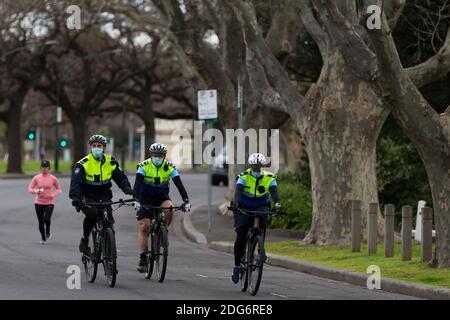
{"x": 129, "y": 191}
{"x": 77, "y": 203}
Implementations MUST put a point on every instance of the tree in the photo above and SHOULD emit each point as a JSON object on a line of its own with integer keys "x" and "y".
{"x": 22, "y": 50}
{"x": 428, "y": 130}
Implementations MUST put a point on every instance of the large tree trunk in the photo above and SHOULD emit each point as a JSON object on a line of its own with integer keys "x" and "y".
{"x": 14, "y": 137}
{"x": 80, "y": 138}
{"x": 346, "y": 118}
{"x": 150, "y": 134}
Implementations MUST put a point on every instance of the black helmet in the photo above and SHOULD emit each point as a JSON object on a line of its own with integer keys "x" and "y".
{"x": 45, "y": 164}
{"x": 98, "y": 138}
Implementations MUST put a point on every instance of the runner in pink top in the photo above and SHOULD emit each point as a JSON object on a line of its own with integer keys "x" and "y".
{"x": 46, "y": 187}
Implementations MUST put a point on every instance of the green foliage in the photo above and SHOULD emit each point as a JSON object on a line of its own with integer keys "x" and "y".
{"x": 402, "y": 179}
{"x": 295, "y": 193}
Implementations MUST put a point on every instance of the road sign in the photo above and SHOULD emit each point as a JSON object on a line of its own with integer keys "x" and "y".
{"x": 207, "y": 104}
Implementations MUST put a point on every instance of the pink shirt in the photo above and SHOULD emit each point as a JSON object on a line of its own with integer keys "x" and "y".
{"x": 42, "y": 186}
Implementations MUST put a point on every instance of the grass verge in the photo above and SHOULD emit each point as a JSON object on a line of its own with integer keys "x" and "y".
{"x": 341, "y": 257}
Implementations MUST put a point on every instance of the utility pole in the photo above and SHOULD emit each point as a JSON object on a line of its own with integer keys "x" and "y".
{"x": 58, "y": 121}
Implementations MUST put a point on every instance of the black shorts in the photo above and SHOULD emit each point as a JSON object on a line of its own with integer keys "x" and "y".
{"x": 142, "y": 213}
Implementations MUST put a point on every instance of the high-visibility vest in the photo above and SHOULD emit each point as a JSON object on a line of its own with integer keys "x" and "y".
{"x": 98, "y": 173}
{"x": 257, "y": 188}
{"x": 154, "y": 175}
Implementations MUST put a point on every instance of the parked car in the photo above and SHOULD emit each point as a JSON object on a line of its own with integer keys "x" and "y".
{"x": 220, "y": 170}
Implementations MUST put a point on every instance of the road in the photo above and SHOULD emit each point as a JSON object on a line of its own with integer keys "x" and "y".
{"x": 29, "y": 270}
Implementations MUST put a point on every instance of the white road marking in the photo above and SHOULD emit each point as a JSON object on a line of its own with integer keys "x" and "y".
{"x": 201, "y": 276}
{"x": 278, "y": 295}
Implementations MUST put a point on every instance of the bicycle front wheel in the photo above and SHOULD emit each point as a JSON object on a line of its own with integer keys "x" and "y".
{"x": 90, "y": 262}
{"x": 255, "y": 264}
{"x": 161, "y": 252}
{"x": 110, "y": 257}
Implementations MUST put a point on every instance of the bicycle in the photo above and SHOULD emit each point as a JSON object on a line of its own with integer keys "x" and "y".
{"x": 103, "y": 242}
{"x": 253, "y": 259}
{"x": 159, "y": 244}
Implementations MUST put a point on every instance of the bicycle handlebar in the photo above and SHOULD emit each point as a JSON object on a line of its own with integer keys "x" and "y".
{"x": 257, "y": 213}
{"x": 161, "y": 208}
{"x": 100, "y": 203}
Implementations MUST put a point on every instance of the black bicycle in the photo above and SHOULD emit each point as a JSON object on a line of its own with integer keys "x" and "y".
{"x": 103, "y": 243}
{"x": 254, "y": 257}
{"x": 156, "y": 257}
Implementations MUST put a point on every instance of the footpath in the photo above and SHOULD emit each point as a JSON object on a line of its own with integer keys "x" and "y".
{"x": 221, "y": 238}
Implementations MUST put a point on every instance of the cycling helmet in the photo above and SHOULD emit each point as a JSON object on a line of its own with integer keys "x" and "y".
{"x": 257, "y": 160}
{"x": 98, "y": 138}
{"x": 158, "y": 148}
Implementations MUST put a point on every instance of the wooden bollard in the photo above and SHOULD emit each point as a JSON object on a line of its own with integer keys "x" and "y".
{"x": 427, "y": 234}
{"x": 356, "y": 226}
{"x": 389, "y": 214}
{"x": 372, "y": 228}
{"x": 406, "y": 233}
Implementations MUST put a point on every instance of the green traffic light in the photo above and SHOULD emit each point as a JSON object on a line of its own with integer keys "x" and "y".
{"x": 63, "y": 143}
{"x": 31, "y": 136}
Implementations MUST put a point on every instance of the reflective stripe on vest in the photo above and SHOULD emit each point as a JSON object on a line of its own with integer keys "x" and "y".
{"x": 97, "y": 173}
{"x": 156, "y": 176}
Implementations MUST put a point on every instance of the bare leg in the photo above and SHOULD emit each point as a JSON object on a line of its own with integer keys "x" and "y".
{"x": 168, "y": 214}
{"x": 143, "y": 232}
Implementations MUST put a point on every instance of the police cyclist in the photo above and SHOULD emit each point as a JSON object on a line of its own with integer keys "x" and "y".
{"x": 254, "y": 187}
{"x": 152, "y": 188}
{"x": 91, "y": 182}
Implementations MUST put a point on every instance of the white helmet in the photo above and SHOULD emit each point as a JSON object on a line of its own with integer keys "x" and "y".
{"x": 158, "y": 148}
{"x": 257, "y": 160}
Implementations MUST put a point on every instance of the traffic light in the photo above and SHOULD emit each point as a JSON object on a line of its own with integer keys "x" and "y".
{"x": 63, "y": 143}
{"x": 31, "y": 135}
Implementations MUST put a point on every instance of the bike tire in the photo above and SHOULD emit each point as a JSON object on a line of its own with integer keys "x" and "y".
{"x": 244, "y": 273}
{"x": 150, "y": 259}
{"x": 90, "y": 263}
{"x": 255, "y": 264}
{"x": 161, "y": 253}
{"x": 110, "y": 257}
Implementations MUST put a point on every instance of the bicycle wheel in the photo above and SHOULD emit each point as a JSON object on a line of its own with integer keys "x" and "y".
{"x": 90, "y": 262}
{"x": 161, "y": 252}
{"x": 255, "y": 264}
{"x": 110, "y": 256}
{"x": 150, "y": 259}
{"x": 244, "y": 274}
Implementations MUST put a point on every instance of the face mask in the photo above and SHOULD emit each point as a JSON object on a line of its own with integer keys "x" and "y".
{"x": 97, "y": 152}
{"x": 157, "y": 161}
{"x": 256, "y": 174}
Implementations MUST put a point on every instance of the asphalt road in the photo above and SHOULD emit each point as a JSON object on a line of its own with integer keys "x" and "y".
{"x": 29, "y": 270}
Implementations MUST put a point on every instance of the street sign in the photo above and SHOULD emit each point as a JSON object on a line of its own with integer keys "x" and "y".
{"x": 207, "y": 104}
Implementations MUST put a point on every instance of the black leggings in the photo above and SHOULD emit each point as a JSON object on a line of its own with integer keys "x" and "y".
{"x": 44, "y": 215}
{"x": 239, "y": 244}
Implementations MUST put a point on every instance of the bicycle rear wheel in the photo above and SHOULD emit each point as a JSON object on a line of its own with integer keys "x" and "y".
{"x": 90, "y": 262}
{"x": 255, "y": 264}
{"x": 110, "y": 257}
{"x": 161, "y": 252}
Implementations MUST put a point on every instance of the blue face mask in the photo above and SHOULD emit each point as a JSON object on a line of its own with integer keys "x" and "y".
{"x": 256, "y": 174}
{"x": 157, "y": 161}
{"x": 97, "y": 152}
